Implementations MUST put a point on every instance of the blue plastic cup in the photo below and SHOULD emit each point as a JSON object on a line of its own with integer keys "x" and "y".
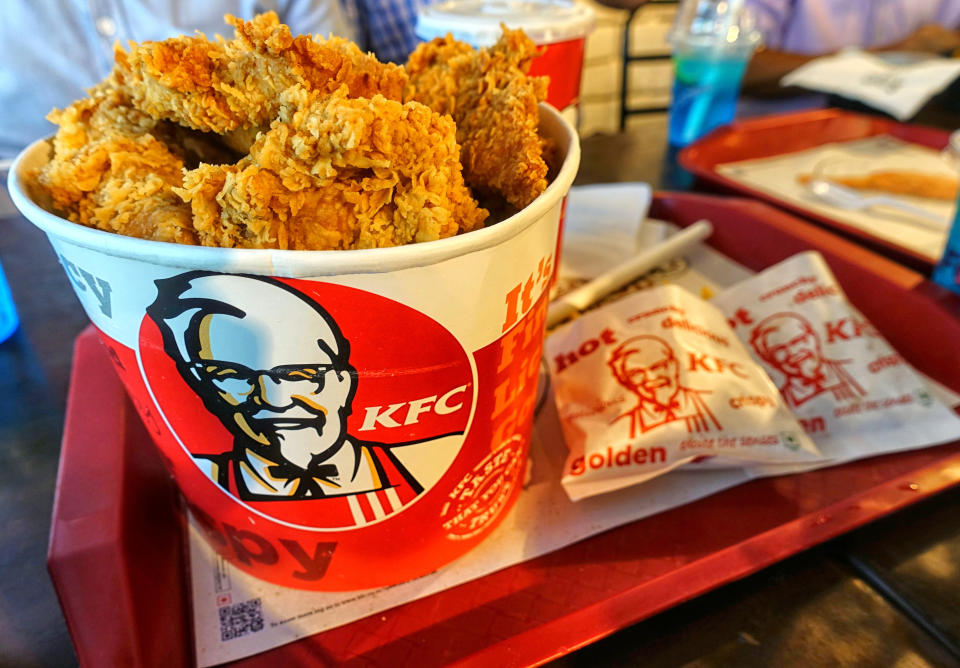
{"x": 713, "y": 40}
{"x": 8, "y": 312}
{"x": 947, "y": 271}
{"x": 706, "y": 87}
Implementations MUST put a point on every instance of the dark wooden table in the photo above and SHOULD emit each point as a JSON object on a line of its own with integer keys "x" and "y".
{"x": 886, "y": 595}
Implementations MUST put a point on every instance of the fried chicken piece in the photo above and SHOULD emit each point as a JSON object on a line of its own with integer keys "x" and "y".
{"x": 898, "y": 182}
{"x": 111, "y": 172}
{"x": 231, "y": 87}
{"x": 335, "y": 172}
{"x": 494, "y": 105}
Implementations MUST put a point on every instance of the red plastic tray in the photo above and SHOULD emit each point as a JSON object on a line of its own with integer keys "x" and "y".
{"x": 116, "y": 543}
{"x": 787, "y": 133}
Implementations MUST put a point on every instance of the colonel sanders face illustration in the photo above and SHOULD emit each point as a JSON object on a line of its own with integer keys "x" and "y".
{"x": 283, "y": 390}
{"x": 646, "y": 366}
{"x": 788, "y": 343}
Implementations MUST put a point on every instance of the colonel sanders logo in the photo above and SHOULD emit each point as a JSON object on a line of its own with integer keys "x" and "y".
{"x": 648, "y": 368}
{"x": 275, "y": 369}
{"x": 787, "y": 343}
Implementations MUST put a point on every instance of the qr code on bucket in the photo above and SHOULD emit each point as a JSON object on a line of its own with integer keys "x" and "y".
{"x": 240, "y": 619}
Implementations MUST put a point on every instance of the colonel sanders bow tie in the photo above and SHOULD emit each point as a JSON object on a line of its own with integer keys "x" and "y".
{"x": 307, "y": 478}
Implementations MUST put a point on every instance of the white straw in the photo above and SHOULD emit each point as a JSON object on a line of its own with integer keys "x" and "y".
{"x": 626, "y": 272}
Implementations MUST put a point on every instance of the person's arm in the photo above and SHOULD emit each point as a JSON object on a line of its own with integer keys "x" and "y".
{"x": 770, "y": 63}
{"x": 931, "y": 38}
{"x": 767, "y": 67}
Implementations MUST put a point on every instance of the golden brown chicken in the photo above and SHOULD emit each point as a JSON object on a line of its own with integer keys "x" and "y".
{"x": 332, "y": 157}
{"x": 898, "y": 182}
{"x": 337, "y": 173}
{"x": 494, "y": 105}
{"x": 108, "y": 171}
{"x": 231, "y": 87}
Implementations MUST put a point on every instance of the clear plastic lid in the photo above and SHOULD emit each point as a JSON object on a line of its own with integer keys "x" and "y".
{"x": 477, "y": 22}
{"x": 715, "y": 24}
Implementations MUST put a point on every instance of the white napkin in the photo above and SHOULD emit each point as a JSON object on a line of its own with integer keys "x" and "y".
{"x": 898, "y": 89}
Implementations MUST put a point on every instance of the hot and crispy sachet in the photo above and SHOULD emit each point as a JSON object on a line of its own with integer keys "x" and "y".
{"x": 268, "y": 140}
{"x": 658, "y": 380}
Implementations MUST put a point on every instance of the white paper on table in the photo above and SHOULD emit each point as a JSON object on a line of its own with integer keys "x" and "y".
{"x": 606, "y": 225}
{"x": 777, "y": 176}
{"x": 543, "y": 520}
{"x": 898, "y": 89}
{"x": 601, "y": 227}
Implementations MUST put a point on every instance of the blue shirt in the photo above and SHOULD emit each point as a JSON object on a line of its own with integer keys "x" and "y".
{"x": 54, "y": 51}
{"x": 387, "y": 26}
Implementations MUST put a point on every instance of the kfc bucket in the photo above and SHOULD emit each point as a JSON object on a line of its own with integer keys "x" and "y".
{"x": 559, "y": 27}
{"x": 336, "y": 419}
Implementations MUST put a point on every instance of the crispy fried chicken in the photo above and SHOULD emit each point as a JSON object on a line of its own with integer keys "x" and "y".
{"x": 110, "y": 172}
{"x": 231, "y": 87}
{"x": 332, "y": 156}
{"x": 337, "y": 173}
{"x": 494, "y": 105}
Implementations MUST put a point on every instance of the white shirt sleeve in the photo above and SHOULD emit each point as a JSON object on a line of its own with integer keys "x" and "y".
{"x": 316, "y": 17}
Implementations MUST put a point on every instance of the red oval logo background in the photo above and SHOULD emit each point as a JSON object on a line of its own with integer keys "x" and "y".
{"x": 405, "y": 362}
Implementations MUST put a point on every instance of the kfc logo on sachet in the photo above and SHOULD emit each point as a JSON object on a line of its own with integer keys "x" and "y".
{"x": 298, "y": 395}
{"x": 788, "y": 343}
{"x": 648, "y": 367}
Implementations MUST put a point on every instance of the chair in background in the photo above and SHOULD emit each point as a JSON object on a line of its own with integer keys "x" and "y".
{"x": 632, "y": 7}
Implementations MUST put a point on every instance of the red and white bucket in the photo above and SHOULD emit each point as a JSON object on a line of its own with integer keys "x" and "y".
{"x": 559, "y": 26}
{"x": 336, "y": 419}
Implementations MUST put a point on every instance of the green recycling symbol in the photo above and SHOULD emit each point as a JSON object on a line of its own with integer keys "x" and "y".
{"x": 790, "y": 440}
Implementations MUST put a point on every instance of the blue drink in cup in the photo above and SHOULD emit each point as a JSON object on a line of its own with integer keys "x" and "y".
{"x": 947, "y": 271}
{"x": 713, "y": 40}
{"x": 8, "y": 312}
{"x": 705, "y": 92}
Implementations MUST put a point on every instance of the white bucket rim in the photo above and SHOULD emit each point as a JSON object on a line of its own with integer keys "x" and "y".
{"x": 299, "y": 263}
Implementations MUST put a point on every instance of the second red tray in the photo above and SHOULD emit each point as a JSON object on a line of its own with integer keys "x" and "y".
{"x": 787, "y": 133}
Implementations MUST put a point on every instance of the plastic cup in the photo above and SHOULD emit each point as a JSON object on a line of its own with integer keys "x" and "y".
{"x": 713, "y": 41}
{"x": 560, "y": 27}
{"x": 9, "y": 322}
{"x": 947, "y": 270}
{"x": 706, "y": 87}
{"x": 336, "y": 420}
